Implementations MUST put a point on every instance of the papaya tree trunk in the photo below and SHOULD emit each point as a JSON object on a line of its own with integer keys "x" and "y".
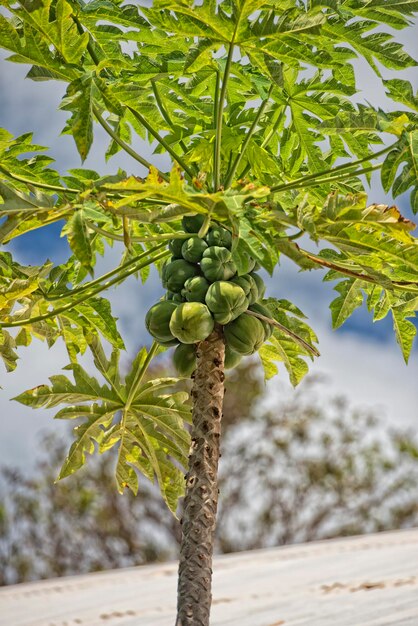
{"x": 201, "y": 499}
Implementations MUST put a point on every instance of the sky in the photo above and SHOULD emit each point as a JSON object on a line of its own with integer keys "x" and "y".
{"x": 361, "y": 360}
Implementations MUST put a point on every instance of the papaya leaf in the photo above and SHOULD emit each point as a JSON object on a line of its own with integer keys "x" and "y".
{"x": 144, "y": 418}
{"x": 7, "y": 350}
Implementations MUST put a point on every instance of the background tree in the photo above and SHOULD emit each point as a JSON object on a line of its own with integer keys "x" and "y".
{"x": 325, "y": 472}
{"x": 253, "y": 101}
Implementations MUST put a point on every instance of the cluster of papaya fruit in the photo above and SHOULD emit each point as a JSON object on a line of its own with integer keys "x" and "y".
{"x": 204, "y": 288}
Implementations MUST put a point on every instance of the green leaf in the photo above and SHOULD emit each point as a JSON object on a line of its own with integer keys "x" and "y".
{"x": 350, "y": 298}
{"x": 79, "y": 239}
{"x": 401, "y": 91}
{"x": 60, "y": 31}
{"x": 7, "y": 350}
{"x": 97, "y": 313}
{"x": 80, "y": 100}
{"x": 291, "y": 349}
{"x": 405, "y": 332}
{"x": 145, "y": 419}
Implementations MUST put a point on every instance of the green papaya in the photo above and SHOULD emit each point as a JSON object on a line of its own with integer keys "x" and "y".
{"x": 175, "y": 274}
{"x": 157, "y": 320}
{"x": 263, "y": 310}
{"x": 219, "y": 236}
{"x": 184, "y": 359}
{"x": 195, "y": 289}
{"x": 260, "y": 284}
{"x": 226, "y": 300}
{"x": 193, "y": 248}
{"x": 192, "y": 223}
{"x": 178, "y": 298}
{"x": 217, "y": 264}
{"x": 175, "y": 247}
{"x": 245, "y": 335}
{"x": 247, "y": 264}
{"x": 191, "y": 322}
{"x": 248, "y": 284}
{"x": 231, "y": 358}
{"x": 174, "y": 297}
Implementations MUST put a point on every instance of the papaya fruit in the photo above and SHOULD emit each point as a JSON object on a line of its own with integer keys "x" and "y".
{"x": 191, "y": 322}
{"x": 245, "y": 335}
{"x": 263, "y": 310}
{"x": 192, "y": 223}
{"x": 175, "y": 247}
{"x": 247, "y": 264}
{"x": 193, "y": 248}
{"x": 217, "y": 264}
{"x": 231, "y": 358}
{"x": 184, "y": 359}
{"x": 248, "y": 284}
{"x": 195, "y": 289}
{"x": 175, "y": 274}
{"x": 157, "y": 320}
{"x": 178, "y": 298}
{"x": 260, "y": 284}
{"x": 219, "y": 236}
{"x": 226, "y": 300}
{"x": 174, "y": 297}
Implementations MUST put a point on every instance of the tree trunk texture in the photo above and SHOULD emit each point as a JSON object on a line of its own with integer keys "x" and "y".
{"x": 201, "y": 499}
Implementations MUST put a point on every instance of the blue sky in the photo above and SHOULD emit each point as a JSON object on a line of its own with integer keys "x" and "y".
{"x": 360, "y": 360}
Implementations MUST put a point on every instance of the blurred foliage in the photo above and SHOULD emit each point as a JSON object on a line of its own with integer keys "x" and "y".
{"x": 295, "y": 467}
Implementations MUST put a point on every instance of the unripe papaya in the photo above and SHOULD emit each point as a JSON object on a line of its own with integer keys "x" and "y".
{"x": 219, "y": 236}
{"x": 260, "y": 284}
{"x": 263, "y": 310}
{"x": 157, "y": 320}
{"x": 195, "y": 289}
{"x": 175, "y": 274}
{"x": 217, "y": 264}
{"x": 175, "y": 247}
{"x": 245, "y": 335}
{"x": 192, "y": 223}
{"x": 226, "y": 301}
{"x": 231, "y": 358}
{"x": 184, "y": 359}
{"x": 178, "y": 298}
{"x": 248, "y": 284}
{"x": 193, "y": 248}
{"x": 191, "y": 322}
{"x": 247, "y": 264}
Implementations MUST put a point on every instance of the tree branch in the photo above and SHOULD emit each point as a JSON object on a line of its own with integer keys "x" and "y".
{"x": 219, "y": 119}
{"x": 330, "y": 172}
{"x": 396, "y": 284}
{"x": 106, "y": 276}
{"x": 162, "y": 141}
{"x": 164, "y": 111}
{"x": 123, "y": 144}
{"x": 35, "y": 183}
{"x": 70, "y": 305}
{"x": 246, "y": 141}
{"x": 116, "y": 237}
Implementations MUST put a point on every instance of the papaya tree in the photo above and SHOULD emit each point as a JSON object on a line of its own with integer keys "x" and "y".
{"x": 272, "y": 150}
